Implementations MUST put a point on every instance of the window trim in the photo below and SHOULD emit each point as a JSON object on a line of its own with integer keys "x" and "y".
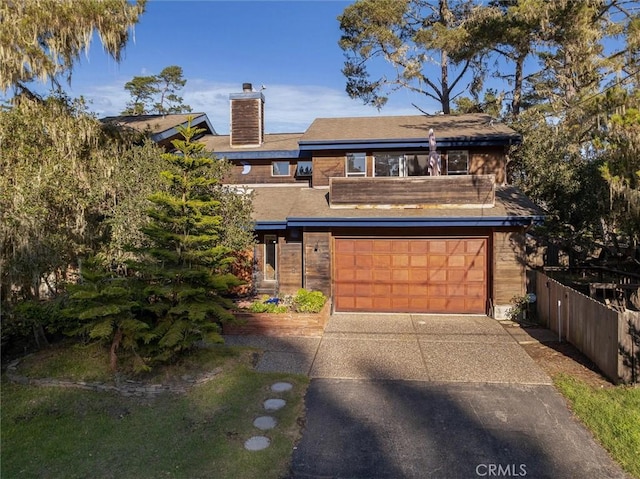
{"x": 355, "y": 174}
{"x": 273, "y": 164}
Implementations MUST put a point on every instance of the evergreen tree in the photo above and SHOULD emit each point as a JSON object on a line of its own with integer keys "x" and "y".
{"x": 101, "y": 307}
{"x": 157, "y": 94}
{"x": 187, "y": 267}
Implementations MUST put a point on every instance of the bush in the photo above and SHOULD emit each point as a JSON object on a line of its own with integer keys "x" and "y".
{"x": 266, "y": 305}
{"x": 309, "y": 301}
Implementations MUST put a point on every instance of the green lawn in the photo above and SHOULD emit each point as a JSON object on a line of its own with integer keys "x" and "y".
{"x": 613, "y": 415}
{"x": 68, "y": 433}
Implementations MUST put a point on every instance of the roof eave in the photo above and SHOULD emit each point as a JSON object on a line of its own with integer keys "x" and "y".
{"x": 163, "y": 135}
{"x": 485, "y": 221}
{"x": 493, "y": 140}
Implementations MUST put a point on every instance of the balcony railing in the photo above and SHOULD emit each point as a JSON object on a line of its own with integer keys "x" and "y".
{"x": 463, "y": 191}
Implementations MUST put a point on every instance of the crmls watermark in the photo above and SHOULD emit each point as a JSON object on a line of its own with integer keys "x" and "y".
{"x": 501, "y": 470}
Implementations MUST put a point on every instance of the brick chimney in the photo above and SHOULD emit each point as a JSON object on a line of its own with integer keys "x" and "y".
{"x": 247, "y": 118}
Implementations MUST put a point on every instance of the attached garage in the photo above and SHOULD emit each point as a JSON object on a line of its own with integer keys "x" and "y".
{"x": 413, "y": 275}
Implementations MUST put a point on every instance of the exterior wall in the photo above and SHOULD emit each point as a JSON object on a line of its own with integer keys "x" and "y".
{"x": 260, "y": 173}
{"x": 317, "y": 261}
{"x": 289, "y": 267}
{"x": 491, "y": 161}
{"x": 308, "y": 262}
{"x": 327, "y": 165}
{"x": 484, "y": 161}
{"x": 509, "y": 278}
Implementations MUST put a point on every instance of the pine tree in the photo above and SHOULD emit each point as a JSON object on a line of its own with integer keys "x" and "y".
{"x": 187, "y": 268}
{"x": 101, "y": 306}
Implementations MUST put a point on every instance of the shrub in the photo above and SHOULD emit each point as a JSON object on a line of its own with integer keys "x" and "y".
{"x": 266, "y": 305}
{"x": 309, "y": 301}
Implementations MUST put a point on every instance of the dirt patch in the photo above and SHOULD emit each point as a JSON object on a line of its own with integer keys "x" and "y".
{"x": 558, "y": 357}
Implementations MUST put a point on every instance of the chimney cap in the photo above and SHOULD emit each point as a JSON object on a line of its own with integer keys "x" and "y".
{"x": 247, "y": 87}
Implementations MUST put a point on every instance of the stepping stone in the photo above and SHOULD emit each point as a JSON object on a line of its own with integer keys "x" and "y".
{"x": 274, "y": 404}
{"x": 265, "y": 422}
{"x": 281, "y": 387}
{"x": 257, "y": 443}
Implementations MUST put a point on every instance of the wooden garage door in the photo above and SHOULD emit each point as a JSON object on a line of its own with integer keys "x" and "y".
{"x": 446, "y": 275}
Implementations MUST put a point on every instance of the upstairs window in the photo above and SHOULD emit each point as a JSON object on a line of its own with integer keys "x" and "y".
{"x": 280, "y": 168}
{"x": 304, "y": 168}
{"x": 400, "y": 164}
{"x": 457, "y": 162}
{"x": 356, "y": 164}
{"x": 389, "y": 164}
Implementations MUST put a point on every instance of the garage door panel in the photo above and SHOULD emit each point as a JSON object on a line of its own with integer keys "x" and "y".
{"x": 410, "y": 275}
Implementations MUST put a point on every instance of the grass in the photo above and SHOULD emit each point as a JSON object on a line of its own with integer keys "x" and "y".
{"x": 613, "y": 415}
{"x": 68, "y": 433}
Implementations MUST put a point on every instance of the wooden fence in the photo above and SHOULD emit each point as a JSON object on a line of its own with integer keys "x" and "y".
{"x": 608, "y": 337}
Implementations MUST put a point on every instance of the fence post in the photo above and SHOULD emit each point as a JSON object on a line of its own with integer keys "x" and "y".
{"x": 559, "y": 321}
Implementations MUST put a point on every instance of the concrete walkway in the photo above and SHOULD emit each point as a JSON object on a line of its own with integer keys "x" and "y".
{"x": 429, "y": 396}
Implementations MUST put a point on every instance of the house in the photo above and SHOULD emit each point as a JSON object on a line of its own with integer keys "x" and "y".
{"x": 362, "y": 210}
{"x": 162, "y": 129}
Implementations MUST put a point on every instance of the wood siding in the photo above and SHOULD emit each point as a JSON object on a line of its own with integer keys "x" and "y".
{"x": 247, "y": 122}
{"x": 464, "y": 190}
{"x": 485, "y": 161}
{"x": 317, "y": 261}
{"x": 491, "y": 161}
{"x": 290, "y": 268}
{"x": 508, "y": 266}
{"x": 260, "y": 172}
{"x": 326, "y": 166}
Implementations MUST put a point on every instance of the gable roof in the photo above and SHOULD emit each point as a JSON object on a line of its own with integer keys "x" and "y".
{"x": 410, "y": 130}
{"x": 161, "y": 127}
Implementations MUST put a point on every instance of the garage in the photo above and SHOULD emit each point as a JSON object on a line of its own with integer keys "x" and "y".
{"x": 417, "y": 275}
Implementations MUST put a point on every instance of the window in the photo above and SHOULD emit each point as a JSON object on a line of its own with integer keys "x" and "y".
{"x": 304, "y": 168}
{"x": 356, "y": 164}
{"x": 400, "y": 164}
{"x": 417, "y": 165}
{"x": 389, "y": 164}
{"x": 457, "y": 162}
{"x": 270, "y": 242}
{"x": 280, "y": 168}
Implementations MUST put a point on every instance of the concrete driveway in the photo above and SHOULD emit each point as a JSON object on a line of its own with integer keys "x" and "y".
{"x": 429, "y": 396}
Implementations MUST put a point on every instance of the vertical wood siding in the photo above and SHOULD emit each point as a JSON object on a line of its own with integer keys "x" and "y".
{"x": 317, "y": 261}
{"x": 508, "y": 266}
{"x": 290, "y": 268}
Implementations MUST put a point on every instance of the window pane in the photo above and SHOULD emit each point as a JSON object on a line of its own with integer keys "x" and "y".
{"x": 417, "y": 165}
{"x": 457, "y": 162}
{"x": 387, "y": 164}
{"x": 305, "y": 168}
{"x": 280, "y": 168}
{"x": 356, "y": 164}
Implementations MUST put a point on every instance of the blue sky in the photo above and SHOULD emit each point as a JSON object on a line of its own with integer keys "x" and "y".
{"x": 288, "y": 46}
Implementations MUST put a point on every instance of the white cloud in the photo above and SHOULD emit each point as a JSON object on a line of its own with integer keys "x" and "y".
{"x": 288, "y": 108}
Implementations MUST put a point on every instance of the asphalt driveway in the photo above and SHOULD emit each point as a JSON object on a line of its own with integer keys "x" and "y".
{"x": 428, "y": 396}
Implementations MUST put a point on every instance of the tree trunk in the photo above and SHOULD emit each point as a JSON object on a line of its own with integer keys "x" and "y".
{"x": 445, "y": 98}
{"x": 113, "y": 358}
{"x": 517, "y": 86}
